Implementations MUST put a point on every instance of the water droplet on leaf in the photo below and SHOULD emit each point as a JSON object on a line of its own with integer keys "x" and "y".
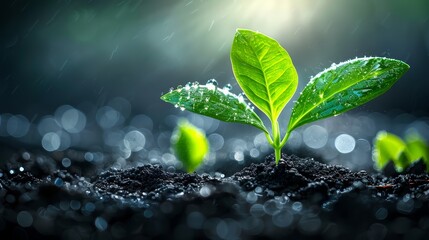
{"x": 240, "y": 97}
{"x": 212, "y": 81}
{"x": 227, "y": 87}
{"x": 188, "y": 86}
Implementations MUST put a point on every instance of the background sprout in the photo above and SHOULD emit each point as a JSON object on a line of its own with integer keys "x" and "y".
{"x": 389, "y": 147}
{"x": 265, "y": 72}
{"x": 190, "y": 145}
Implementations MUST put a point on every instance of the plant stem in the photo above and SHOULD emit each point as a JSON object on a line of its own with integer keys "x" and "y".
{"x": 270, "y": 141}
{"x": 276, "y": 139}
{"x": 278, "y": 145}
{"x": 277, "y": 153}
{"x": 283, "y": 142}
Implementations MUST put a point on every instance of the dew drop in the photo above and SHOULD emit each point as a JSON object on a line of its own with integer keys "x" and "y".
{"x": 211, "y": 84}
{"x": 182, "y": 108}
{"x": 227, "y": 87}
{"x": 171, "y": 89}
{"x": 188, "y": 86}
{"x": 241, "y": 97}
{"x": 176, "y": 105}
{"x": 195, "y": 84}
{"x": 212, "y": 81}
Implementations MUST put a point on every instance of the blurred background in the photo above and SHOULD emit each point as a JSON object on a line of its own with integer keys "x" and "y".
{"x": 87, "y": 75}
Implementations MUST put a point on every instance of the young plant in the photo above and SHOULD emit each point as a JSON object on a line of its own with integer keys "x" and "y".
{"x": 389, "y": 147}
{"x": 190, "y": 145}
{"x": 266, "y": 74}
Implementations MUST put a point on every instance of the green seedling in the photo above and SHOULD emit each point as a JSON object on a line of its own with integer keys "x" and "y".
{"x": 190, "y": 145}
{"x": 266, "y": 74}
{"x": 389, "y": 147}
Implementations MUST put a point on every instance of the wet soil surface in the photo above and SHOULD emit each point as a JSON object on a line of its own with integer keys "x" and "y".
{"x": 300, "y": 199}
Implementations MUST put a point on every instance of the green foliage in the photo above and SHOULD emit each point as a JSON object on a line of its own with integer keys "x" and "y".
{"x": 417, "y": 148}
{"x": 190, "y": 145}
{"x": 264, "y": 70}
{"x": 266, "y": 74}
{"x": 345, "y": 86}
{"x": 389, "y": 147}
{"x": 211, "y": 101}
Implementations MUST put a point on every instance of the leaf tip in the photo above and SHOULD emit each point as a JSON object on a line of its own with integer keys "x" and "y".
{"x": 240, "y": 30}
{"x": 406, "y": 66}
{"x": 244, "y": 31}
{"x": 164, "y": 97}
{"x": 167, "y": 97}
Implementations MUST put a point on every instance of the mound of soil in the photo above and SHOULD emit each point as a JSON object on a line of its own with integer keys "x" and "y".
{"x": 299, "y": 198}
{"x": 150, "y": 183}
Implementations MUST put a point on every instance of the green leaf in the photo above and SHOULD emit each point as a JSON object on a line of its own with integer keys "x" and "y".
{"x": 264, "y": 70}
{"x": 389, "y": 147}
{"x": 345, "y": 86}
{"x": 190, "y": 145}
{"x": 417, "y": 148}
{"x": 211, "y": 101}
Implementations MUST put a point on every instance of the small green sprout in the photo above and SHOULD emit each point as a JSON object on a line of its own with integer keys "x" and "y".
{"x": 266, "y": 74}
{"x": 389, "y": 147}
{"x": 190, "y": 145}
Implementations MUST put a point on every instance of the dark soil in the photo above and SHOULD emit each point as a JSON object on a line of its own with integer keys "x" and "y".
{"x": 298, "y": 199}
